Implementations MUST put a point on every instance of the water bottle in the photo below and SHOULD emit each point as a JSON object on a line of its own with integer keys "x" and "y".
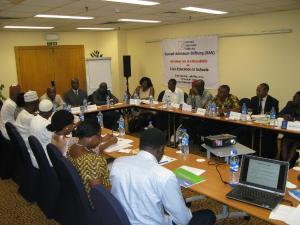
{"x": 150, "y": 125}
{"x": 179, "y": 133}
{"x": 151, "y": 101}
{"x": 121, "y": 126}
{"x": 169, "y": 103}
{"x": 100, "y": 119}
{"x": 85, "y": 104}
{"x": 54, "y": 108}
{"x": 136, "y": 99}
{"x": 108, "y": 101}
{"x": 126, "y": 97}
{"x": 213, "y": 109}
{"x": 81, "y": 114}
{"x": 244, "y": 112}
{"x": 69, "y": 108}
{"x": 185, "y": 144}
{"x": 65, "y": 107}
{"x": 234, "y": 168}
{"x": 273, "y": 117}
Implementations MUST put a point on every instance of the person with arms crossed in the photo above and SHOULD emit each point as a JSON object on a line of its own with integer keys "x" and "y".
{"x": 75, "y": 96}
{"x": 146, "y": 190}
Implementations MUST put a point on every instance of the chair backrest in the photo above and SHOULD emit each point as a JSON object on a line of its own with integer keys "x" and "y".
{"x": 160, "y": 96}
{"x": 246, "y": 101}
{"x": 71, "y": 186}
{"x": 185, "y": 97}
{"x": 110, "y": 209}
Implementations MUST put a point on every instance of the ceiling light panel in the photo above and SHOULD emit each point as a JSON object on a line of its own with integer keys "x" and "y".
{"x": 94, "y": 28}
{"x": 139, "y": 21}
{"x": 64, "y": 17}
{"x": 136, "y": 2}
{"x": 203, "y": 10}
{"x": 28, "y": 27}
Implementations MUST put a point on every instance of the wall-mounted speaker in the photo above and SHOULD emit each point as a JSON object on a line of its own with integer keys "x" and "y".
{"x": 126, "y": 65}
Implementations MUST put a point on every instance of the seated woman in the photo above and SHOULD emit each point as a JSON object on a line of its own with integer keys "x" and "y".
{"x": 91, "y": 167}
{"x": 290, "y": 142}
{"x": 62, "y": 125}
{"x": 145, "y": 89}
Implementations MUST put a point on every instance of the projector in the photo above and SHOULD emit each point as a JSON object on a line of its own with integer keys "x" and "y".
{"x": 220, "y": 140}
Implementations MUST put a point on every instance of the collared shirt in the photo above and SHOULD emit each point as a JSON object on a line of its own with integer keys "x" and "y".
{"x": 23, "y": 125}
{"x": 177, "y": 97}
{"x": 263, "y": 103}
{"x": 200, "y": 101}
{"x": 7, "y": 115}
{"x": 231, "y": 102}
{"x": 145, "y": 189}
{"x": 57, "y": 103}
{"x": 38, "y": 129}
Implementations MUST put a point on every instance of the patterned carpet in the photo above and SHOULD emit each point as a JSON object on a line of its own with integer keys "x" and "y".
{"x": 14, "y": 210}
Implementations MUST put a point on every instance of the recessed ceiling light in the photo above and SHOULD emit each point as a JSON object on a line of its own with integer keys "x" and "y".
{"x": 94, "y": 28}
{"x": 65, "y": 17}
{"x": 137, "y": 2}
{"x": 27, "y": 27}
{"x": 202, "y": 10}
{"x": 139, "y": 21}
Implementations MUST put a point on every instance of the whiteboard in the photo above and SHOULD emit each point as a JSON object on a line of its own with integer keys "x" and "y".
{"x": 98, "y": 70}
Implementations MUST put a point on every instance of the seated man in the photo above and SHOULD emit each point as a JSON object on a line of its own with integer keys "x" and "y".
{"x": 146, "y": 190}
{"x": 199, "y": 97}
{"x": 56, "y": 99}
{"x": 290, "y": 142}
{"x": 263, "y": 103}
{"x": 100, "y": 95}
{"x": 75, "y": 96}
{"x": 38, "y": 126}
{"x": 175, "y": 94}
{"x": 225, "y": 101}
{"x": 110, "y": 118}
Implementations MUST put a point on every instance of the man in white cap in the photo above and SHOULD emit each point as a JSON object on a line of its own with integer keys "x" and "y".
{"x": 38, "y": 127}
{"x": 8, "y": 109}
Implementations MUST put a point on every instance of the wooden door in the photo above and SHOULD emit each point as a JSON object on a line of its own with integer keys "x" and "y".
{"x": 34, "y": 68}
{"x": 69, "y": 63}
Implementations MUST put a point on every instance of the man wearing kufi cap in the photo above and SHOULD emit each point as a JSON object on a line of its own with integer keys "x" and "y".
{"x": 8, "y": 109}
{"x": 38, "y": 127}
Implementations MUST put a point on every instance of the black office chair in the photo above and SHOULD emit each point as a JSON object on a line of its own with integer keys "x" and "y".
{"x": 77, "y": 209}
{"x": 160, "y": 96}
{"x": 50, "y": 187}
{"x": 111, "y": 211}
{"x": 185, "y": 97}
{"x": 7, "y": 158}
{"x": 29, "y": 183}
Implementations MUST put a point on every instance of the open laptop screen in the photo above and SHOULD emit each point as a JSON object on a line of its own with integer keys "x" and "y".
{"x": 264, "y": 173}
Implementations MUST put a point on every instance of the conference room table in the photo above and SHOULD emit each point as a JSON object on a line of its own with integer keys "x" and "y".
{"x": 212, "y": 187}
{"x": 173, "y": 113}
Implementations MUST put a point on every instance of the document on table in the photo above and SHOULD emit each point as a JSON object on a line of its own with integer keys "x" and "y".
{"x": 122, "y": 144}
{"x": 193, "y": 170}
{"x": 166, "y": 159}
{"x": 287, "y": 214}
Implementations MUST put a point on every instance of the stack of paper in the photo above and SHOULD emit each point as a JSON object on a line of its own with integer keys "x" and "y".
{"x": 188, "y": 176}
{"x": 287, "y": 214}
{"x": 122, "y": 145}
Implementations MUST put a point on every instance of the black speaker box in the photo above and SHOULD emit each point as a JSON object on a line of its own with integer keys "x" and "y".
{"x": 126, "y": 65}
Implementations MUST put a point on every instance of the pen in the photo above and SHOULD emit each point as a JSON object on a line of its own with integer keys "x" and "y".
{"x": 163, "y": 162}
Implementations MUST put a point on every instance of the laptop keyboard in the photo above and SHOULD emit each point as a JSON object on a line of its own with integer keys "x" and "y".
{"x": 262, "y": 198}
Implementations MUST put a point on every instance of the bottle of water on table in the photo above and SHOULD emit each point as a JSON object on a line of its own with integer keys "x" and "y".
{"x": 169, "y": 103}
{"x": 151, "y": 101}
{"x": 85, "y": 104}
{"x": 273, "y": 117}
{"x": 121, "y": 126}
{"x": 81, "y": 113}
{"x": 234, "y": 168}
{"x": 108, "y": 101}
{"x": 100, "y": 119}
{"x": 126, "y": 97}
{"x": 244, "y": 112}
{"x": 185, "y": 144}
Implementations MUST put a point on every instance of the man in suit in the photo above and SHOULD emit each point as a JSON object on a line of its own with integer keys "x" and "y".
{"x": 263, "y": 103}
{"x": 75, "y": 96}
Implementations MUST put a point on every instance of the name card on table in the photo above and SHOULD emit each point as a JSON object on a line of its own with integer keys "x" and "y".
{"x": 201, "y": 111}
{"x": 75, "y": 110}
{"x": 134, "y": 101}
{"x": 186, "y": 107}
{"x": 92, "y": 108}
{"x": 176, "y": 106}
{"x": 293, "y": 126}
{"x": 235, "y": 116}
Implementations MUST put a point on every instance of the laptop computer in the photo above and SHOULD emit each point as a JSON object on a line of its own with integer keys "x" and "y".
{"x": 262, "y": 182}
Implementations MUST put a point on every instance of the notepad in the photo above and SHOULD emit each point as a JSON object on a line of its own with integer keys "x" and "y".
{"x": 186, "y": 178}
{"x": 166, "y": 159}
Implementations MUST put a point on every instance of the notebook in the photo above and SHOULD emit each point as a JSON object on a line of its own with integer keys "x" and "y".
{"x": 262, "y": 181}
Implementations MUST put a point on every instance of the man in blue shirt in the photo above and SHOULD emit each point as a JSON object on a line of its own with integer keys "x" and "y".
{"x": 147, "y": 190}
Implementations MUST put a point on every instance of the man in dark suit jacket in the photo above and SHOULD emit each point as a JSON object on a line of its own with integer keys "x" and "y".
{"x": 75, "y": 96}
{"x": 263, "y": 103}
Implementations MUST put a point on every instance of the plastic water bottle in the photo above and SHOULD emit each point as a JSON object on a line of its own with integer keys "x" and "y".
{"x": 185, "y": 144}
{"x": 234, "y": 168}
{"x": 126, "y": 97}
{"x": 273, "y": 117}
{"x": 213, "y": 109}
{"x": 169, "y": 103}
{"x": 100, "y": 119}
{"x": 151, "y": 101}
{"x": 150, "y": 125}
{"x": 54, "y": 108}
{"x": 85, "y": 104}
{"x": 179, "y": 133}
{"x": 136, "y": 99}
{"x": 121, "y": 126}
{"x": 81, "y": 114}
{"x": 108, "y": 101}
{"x": 244, "y": 112}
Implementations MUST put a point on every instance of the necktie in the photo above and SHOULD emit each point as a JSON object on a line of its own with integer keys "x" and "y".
{"x": 260, "y": 105}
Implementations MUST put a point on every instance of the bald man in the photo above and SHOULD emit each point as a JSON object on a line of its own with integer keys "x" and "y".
{"x": 8, "y": 109}
{"x": 56, "y": 99}
{"x": 199, "y": 97}
{"x": 75, "y": 96}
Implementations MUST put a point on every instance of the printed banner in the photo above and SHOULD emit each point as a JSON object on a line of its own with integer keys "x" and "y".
{"x": 191, "y": 59}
